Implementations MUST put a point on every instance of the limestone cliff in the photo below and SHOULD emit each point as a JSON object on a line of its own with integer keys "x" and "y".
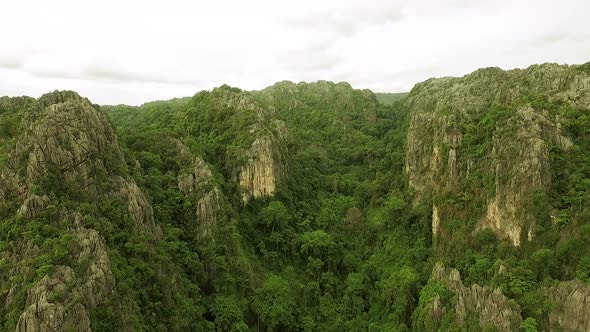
{"x": 571, "y": 311}
{"x": 196, "y": 181}
{"x": 519, "y": 170}
{"x": 480, "y": 142}
{"x": 61, "y": 301}
{"x": 491, "y": 307}
{"x": 68, "y": 137}
{"x": 259, "y": 174}
{"x": 337, "y": 111}
{"x": 67, "y": 150}
{"x": 263, "y": 161}
{"x": 252, "y": 139}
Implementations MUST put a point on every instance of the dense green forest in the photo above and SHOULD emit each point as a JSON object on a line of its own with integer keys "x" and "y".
{"x": 460, "y": 206}
{"x": 326, "y": 252}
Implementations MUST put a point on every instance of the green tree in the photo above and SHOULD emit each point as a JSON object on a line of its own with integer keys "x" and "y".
{"x": 274, "y": 303}
{"x": 228, "y": 314}
{"x": 276, "y": 215}
{"x": 529, "y": 325}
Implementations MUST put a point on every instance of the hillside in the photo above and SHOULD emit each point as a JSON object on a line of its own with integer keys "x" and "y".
{"x": 462, "y": 205}
{"x": 389, "y": 98}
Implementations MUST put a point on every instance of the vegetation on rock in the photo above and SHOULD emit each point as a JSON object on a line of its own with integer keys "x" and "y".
{"x": 308, "y": 206}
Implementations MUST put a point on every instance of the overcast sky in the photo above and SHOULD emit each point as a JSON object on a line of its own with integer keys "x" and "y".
{"x": 115, "y": 51}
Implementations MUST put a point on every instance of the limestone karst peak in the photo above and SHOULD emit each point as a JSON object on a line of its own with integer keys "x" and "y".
{"x": 59, "y": 97}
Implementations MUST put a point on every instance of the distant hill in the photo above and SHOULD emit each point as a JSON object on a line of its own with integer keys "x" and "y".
{"x": 389, "y": 98}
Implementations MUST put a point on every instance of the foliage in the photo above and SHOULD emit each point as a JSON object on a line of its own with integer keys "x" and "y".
{"x": 342, "y": 244}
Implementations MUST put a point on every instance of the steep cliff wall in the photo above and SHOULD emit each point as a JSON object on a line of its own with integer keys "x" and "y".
{"x": 571, "y": 306}
{"x": 263, "y": 168}
{"x": 489, "y": 305}
{"x": 478, "y": 146}
{"x": 62, "y": 300}
{"x": 251, "y": 140}
{"x": 196, "y": 181}
{"x": 67, "y": 152}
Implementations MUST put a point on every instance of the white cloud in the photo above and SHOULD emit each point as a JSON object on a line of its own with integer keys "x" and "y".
{"x": 136, "y": 51}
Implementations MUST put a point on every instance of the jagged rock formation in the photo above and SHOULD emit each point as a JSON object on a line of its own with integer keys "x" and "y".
{"x": 258, "y": 176}
{"x": 33, "y": 205}
{"x": 528, "y": 169}
{"x": 69, "y": 142}
{"x": 68, "y": 137}
{"x": 571, "y": 310}
{"x": 42, "y": 315}
{"x": 138, "y": 208}
{"x": 61, "y": 301}
{"x": 198, "y": 184}
{"x": 489, "y": 304}
{"x": 449, "y": 145}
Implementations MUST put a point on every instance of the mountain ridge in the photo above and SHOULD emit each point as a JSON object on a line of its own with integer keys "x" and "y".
{"x": 461, "y": 205}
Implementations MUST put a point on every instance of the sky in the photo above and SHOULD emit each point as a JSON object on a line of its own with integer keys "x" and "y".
{"x": 131, "y": 52}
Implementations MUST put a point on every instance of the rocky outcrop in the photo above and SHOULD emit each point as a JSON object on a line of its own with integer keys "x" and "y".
{"x": 33, "y": 205}
{"x": 479, "y": 131}
{"x": 198, "y": 179}
{"x": 67, "y": 136}
{"x": 17, "y": 261}
{"x": 197, "y": 183}
{"x": 67, "y": 150}
{"x": 258, "y": 176}
{"x": 208, "y": 208}
{"x": 264, "y": 164}
{"x": 138, "y": 207}
{"x": 435, "y": 220}
{"x": 254, "y": 139}
{"x": 489, "y": 304}
{"x": 45, "y": 314}
{"x": 62, "y": 300}
{"x": 571, "y": 311}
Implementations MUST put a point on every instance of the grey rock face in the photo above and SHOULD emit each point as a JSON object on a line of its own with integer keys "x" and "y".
{"x": 572, "y": 306}
{"x": 65, "y": 137}
{"x": 61, "y": 300}
{"x": 489, "y": 304}
{"x": 437, "y": 162}
{"x": 197, "y": 184}
{"x": 138, "y": 207}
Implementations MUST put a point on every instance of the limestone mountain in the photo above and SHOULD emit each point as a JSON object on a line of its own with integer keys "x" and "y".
{"x": 498, "y": 150}
{"x": 485, "y": 141}
{"x": 57, "y": 266}
{"x": 461, "y": 205}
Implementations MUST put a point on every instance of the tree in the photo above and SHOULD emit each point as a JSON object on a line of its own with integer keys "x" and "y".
{"x": 544, "y": 263}
{"x": 583, "y": 269}
{"x": 228, "y": 314}
{"x": 276, "y": 215}
{"x": 317, "y": 243}
{"x": 529, "y": 325}
{"x": 397, "y": 291}
{"x": 274, "y": 303}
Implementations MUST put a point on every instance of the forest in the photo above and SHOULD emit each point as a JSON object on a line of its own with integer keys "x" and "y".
{"x": 302, "y": 207}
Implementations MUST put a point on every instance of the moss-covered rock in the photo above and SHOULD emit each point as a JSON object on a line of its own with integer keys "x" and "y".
{"x": 479, "y": 146}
